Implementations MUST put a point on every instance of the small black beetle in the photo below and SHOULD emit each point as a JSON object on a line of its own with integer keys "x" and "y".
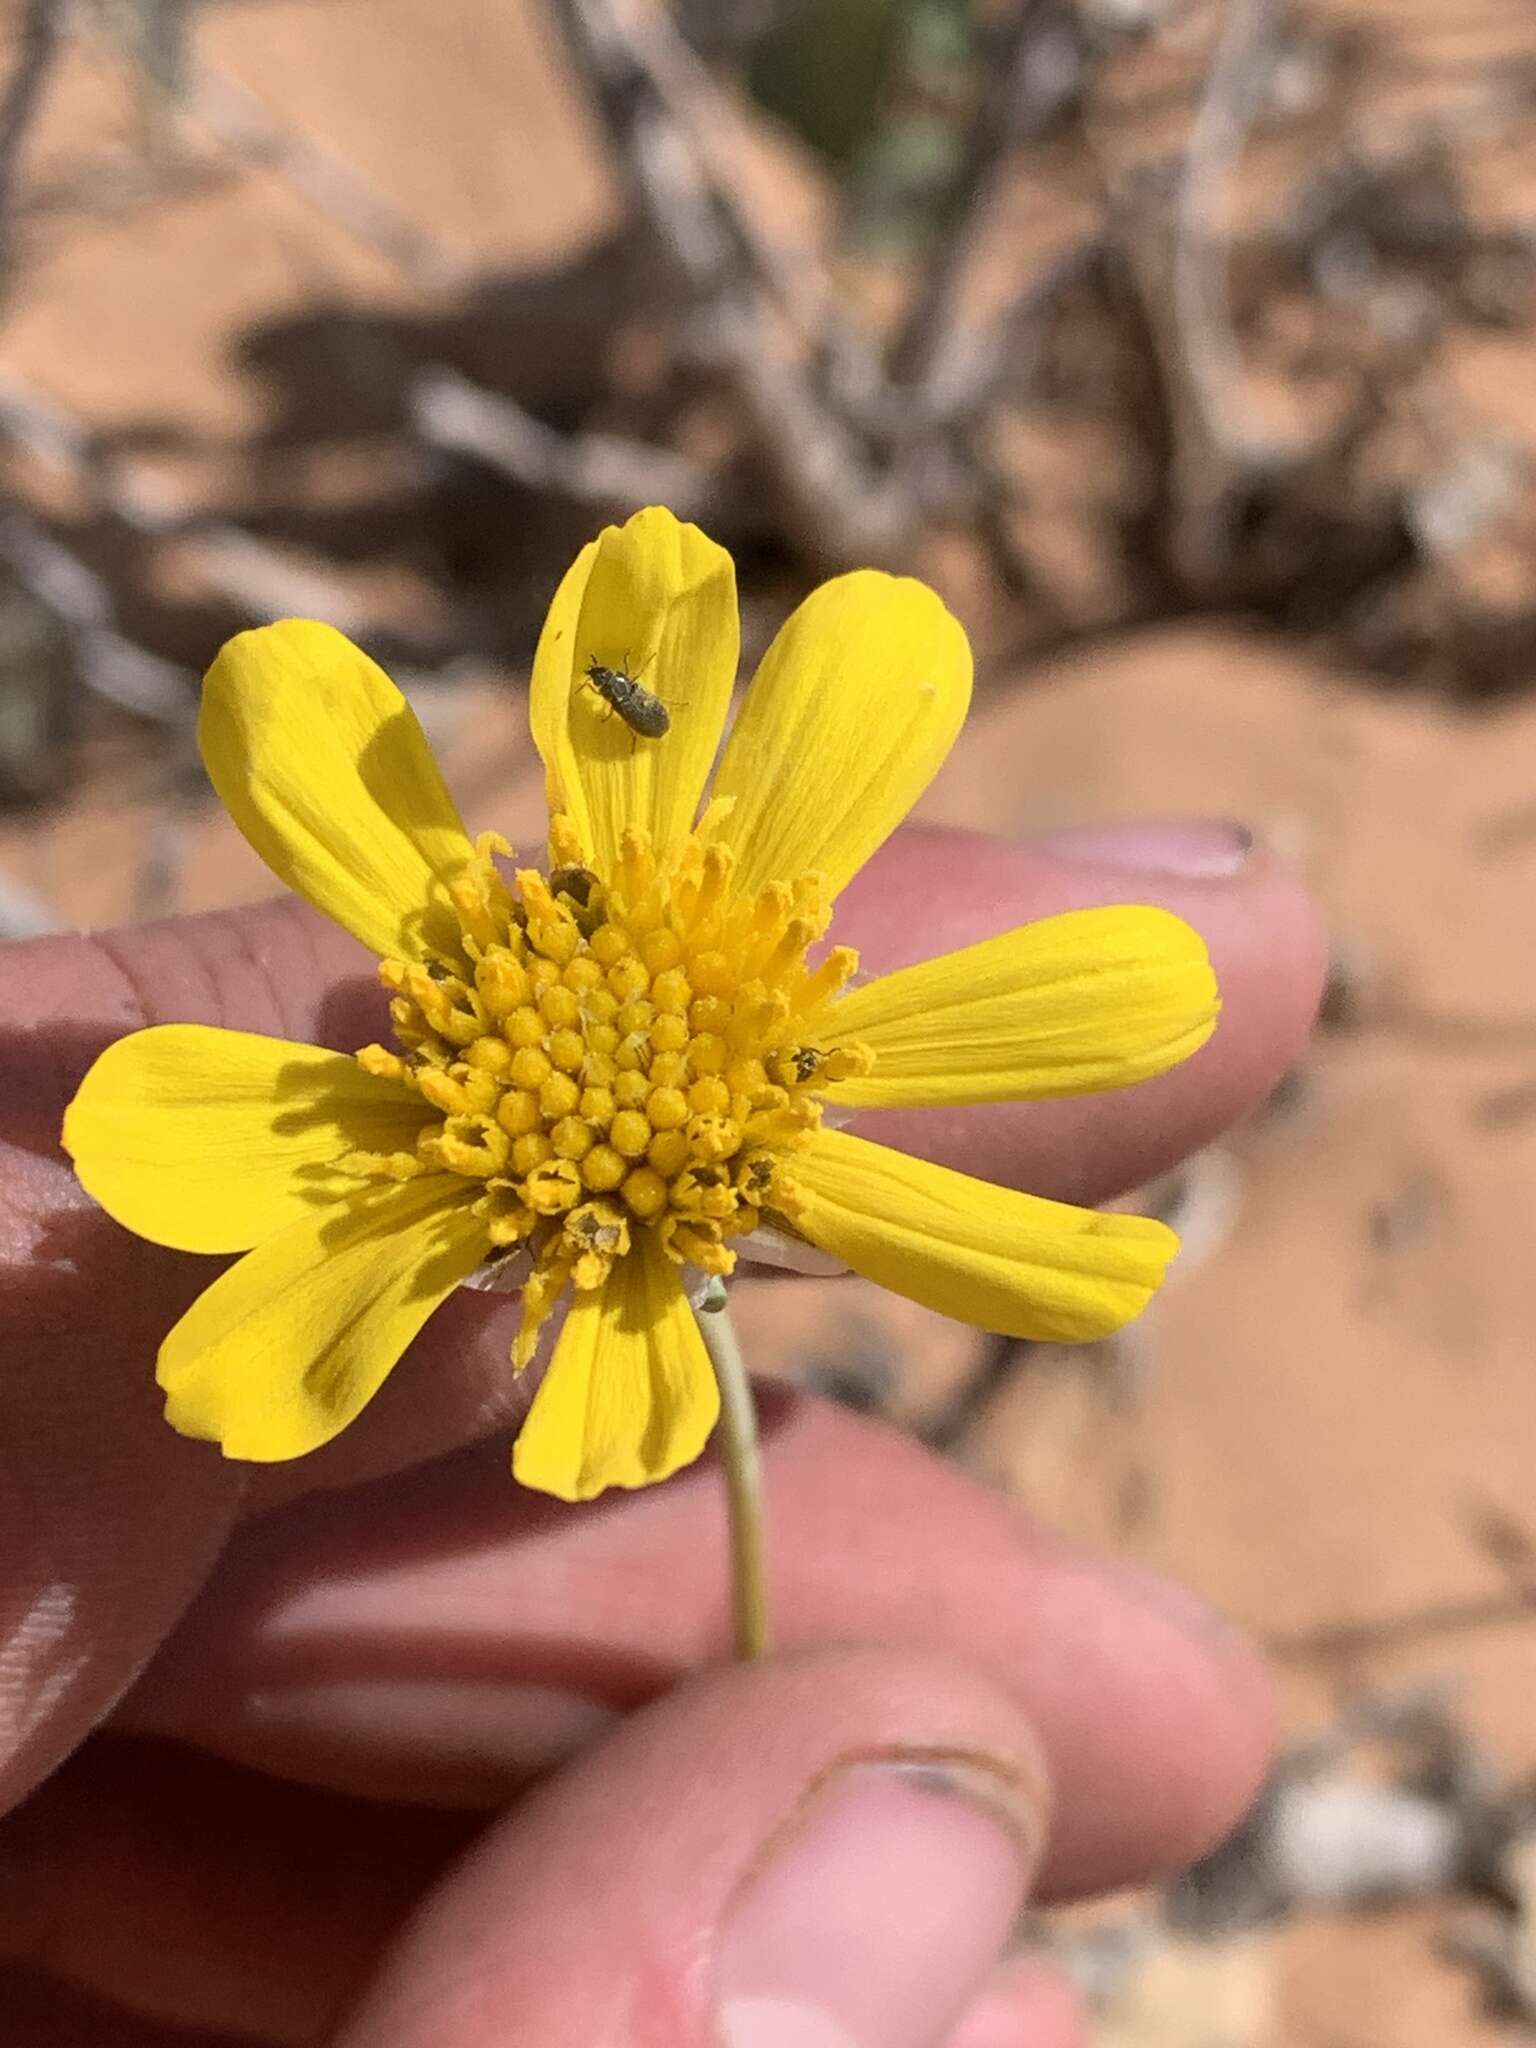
{"x": 640, "y": 711}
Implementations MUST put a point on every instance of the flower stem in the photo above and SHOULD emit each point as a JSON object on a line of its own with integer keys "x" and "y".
{"x": 743, "y": 1475}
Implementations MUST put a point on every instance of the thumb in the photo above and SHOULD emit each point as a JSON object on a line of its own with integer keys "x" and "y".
{"x": 820, "y": 1851}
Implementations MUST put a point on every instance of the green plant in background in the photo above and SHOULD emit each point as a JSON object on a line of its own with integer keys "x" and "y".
{"x": 885, "y": 90}
{"x": 824, "y": 72}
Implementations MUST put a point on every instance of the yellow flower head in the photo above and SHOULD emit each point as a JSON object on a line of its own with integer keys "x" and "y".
{"x": 607, "y": 1074}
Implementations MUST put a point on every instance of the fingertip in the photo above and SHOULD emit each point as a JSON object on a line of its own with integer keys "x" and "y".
{"x": 1269, "y": 946}
{"x": 1028, "y": 2004}
{"x": 1186, "y": 1705}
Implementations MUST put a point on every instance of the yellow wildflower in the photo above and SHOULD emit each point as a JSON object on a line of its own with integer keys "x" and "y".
{"x": 607, "y": 1074}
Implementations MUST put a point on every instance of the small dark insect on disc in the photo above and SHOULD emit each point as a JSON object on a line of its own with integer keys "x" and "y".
{"x": 640, "y": 711}
{"x": 577, "y": 883}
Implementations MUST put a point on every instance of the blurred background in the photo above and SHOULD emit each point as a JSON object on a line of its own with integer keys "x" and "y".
{"x": 1189, "y": 347}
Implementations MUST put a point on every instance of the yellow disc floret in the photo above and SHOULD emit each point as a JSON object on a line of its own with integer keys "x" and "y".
{"x": 617, "y": 1053}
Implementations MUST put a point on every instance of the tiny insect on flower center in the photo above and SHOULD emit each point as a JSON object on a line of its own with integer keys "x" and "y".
{"x": 616, "y": 1054}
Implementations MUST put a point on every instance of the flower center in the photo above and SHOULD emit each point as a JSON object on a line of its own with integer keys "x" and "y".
{"x": 615, "y": 1054}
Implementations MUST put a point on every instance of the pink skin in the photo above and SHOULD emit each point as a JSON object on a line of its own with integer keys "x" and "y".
{"x": 1027, "y": 2004}
{"x": 436, "y": 1638}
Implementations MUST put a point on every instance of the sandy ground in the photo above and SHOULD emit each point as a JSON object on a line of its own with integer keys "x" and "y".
{"x": 1326, "y": 1426}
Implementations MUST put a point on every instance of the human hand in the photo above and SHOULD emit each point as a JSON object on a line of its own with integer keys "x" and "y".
{"x": 395, "y": 1644}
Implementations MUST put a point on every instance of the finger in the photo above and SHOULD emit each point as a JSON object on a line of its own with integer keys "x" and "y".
{"x": 191, "y": 1893}
{"x": 38, "y": 2011}
{"x": 823, "y": 1849}
{"x": 443, "y": 1637}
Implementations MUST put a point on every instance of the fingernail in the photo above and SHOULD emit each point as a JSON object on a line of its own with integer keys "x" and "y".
{"x": 880, "y": 1912}
{"x": 1192, "y": 1616}
{"x": 1189, "y": 850}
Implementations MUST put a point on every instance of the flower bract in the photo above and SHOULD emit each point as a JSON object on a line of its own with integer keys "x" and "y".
{"x": 609, "y": 1069}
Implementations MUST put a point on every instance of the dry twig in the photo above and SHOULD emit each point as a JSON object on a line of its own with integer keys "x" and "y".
{"x": 610, "y": 471}
{"x": 242, "y": 126}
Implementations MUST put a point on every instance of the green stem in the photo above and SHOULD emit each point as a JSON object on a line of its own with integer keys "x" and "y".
{"x": 743, "y": 1476}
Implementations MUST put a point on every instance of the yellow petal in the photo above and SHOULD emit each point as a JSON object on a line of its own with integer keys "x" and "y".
{"x": 984, "y": 1255}
{"x": 655, "y": 599}
{"x": 847, "y": 721}
{"x": 289, "y": 1345}
{"x": 1090, "y": 999}
{"x": 321, "y": 763}
{"x": 549, "y": 695}
{"x": 209, "y": 1141}
{"x": 629, "y": 1395}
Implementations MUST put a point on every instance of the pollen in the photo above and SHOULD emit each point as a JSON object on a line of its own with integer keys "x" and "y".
{"x": 617, "y": 1054}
